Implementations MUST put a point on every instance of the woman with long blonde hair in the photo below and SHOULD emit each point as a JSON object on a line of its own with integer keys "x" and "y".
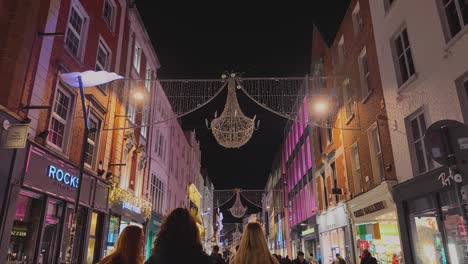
{"x": 253, "y": 247}
{"x": 129, "y": 247}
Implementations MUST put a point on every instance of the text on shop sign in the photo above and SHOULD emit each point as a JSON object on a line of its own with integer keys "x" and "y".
{"x": 62, "y": 176}
{"x": 19, "y": 233}
{"x": 369, "y": 209}
{"x": 131, "y": 207}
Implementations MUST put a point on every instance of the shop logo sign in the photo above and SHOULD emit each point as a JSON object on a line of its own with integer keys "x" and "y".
{"x": 62, "y": 176}
{"x": 131, "y": 207}
{"x": 370, "y": 209}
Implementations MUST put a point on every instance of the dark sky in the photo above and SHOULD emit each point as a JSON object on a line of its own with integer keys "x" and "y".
{"x": 201, "y": 39}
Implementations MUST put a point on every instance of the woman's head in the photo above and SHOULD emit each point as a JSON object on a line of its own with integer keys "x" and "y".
{"x": 179, "y": 232}
{"x": 129, "y": 246}
{"x": 253, "y": 247}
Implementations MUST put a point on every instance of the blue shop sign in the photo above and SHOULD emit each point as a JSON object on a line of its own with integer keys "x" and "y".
{"x": 62, "y": 176}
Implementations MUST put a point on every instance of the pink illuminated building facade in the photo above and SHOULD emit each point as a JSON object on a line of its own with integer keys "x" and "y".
{"x": 297, "y": 163}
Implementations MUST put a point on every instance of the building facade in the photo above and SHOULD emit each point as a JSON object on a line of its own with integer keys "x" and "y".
{"x": 424, "y": 76}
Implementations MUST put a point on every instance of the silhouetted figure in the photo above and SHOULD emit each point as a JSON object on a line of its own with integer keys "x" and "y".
{"x": 253, "y": 247}
{"x": 128, "y": 248}
{"x": 368, "y": 258}
{"x": 300, "y": 258}
{"x": 339, "y": 259}
{"x": 178, "y": 241}
{"x": 215, "y": 256}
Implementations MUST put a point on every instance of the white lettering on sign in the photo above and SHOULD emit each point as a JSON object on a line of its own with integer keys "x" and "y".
{"x": 62, "y": 176}
{"x": 131, "y": 207}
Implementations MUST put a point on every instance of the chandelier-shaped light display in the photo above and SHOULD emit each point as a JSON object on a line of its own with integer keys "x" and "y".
{"x": 238, "y": 210}
{"x": 232, "y": 129}
{"x": 237, "y": 235}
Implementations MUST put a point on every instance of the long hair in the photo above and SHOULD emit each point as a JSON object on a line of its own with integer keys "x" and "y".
{"x": 253, "y": 247}
{"x": 178, "y": 234}
{"x": 129, "y": 247}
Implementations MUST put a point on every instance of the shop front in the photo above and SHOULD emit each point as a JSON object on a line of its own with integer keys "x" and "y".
{"x": 309, "y": 240}
{"x": 154, "y": 224}
{"x": 375, "y": 223}
{"x": 335, "y": 235}
{"x": 44, "y": 212}
{"x": 432, "y": 209}
{"x": 195, "y": 206}
{"x": 125, "y": 210}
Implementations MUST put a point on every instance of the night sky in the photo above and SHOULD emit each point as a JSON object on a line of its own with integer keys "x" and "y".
{"x": 202, "y": 39}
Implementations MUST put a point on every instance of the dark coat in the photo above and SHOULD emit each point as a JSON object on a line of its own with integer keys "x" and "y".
{"x": 181, "y": 258}
{"x": 368, "y": 259}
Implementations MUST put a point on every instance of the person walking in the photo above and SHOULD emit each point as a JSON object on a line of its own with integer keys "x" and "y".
{"x": 253, "y": 247}
{"x": 313, "y": 260}
{"x": 178, "y": 241}
{"x": 128, "y": 249}
{"x": 300, "y": 258}
{"x": 368, "y": 258}
{"x": 339, "y": 259}
{"x": 215, "y": 256}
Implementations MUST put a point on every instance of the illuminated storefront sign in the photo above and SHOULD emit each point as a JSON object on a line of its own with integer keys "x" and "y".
{"x": 62, "y": 176}
{"x": 19, "y": 233}
{"x": 370, "y": 209}
{"x": 308, "y": 231}
{"x": 131, "y": 207}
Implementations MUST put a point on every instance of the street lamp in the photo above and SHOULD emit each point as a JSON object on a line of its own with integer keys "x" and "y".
{"x": 321, "y": 107}
{"x": 81, "y": 80}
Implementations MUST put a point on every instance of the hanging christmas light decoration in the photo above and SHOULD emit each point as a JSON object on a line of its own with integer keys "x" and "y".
{"x": 236, "y": 236}
{"x": 238, "y": 210}
{"x": 232, "y": 129}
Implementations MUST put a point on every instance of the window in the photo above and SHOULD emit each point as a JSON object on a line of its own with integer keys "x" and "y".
{"x": 319, "y": 139}
{"x": 148, "y": 78}
{"x": 157, "y": 194}
{"x": 161, "y": 146}
{"x": 156, "y": 142}
{"x": 341, "y": 51}
{"x": 417, "y": 127}
{"x": 75, "y": 31}
{"x": 356, "y": 168}
{"x": 93, "y": 138}
{"x": 376, "y": 153}
{"x": 329, "y": 131}
{"x": 144, "y": 122}
{"x": 103, "y": 57}
{"x": 456, "y": 15}
{"x": 136, "y": 57}
{"x": 404, "y": 58}
{"x": 61, "y": 117}
{"x": 365, "y": 73}
{"x": 357, "y": 19}
{"x": 108, "y": 13}
{"x": 462, "y": 89}
{"x": 335, "y": 179}
{"x": 324, "y": 181}
{"x": 348, "y": 99}
{"x": 131, "y": 112}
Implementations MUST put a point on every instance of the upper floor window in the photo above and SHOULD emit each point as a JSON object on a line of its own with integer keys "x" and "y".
{"x": 329, "y": 131}
{"x": 341, "y": 51}
{"x": 348, "y": 99}
{"x": 319, "y": 139}
{"x": 456, "y": 16}
{"x": 364, "y": 73}
{"x": 357, "y": 19}
{"x": 93, "y": 139}
{"x": 131, "y": 112}
{"x": 334, "y": 177}
{"x": 157, "y": 190}
{"x": 108, "y": 13}
{"x": 388, "y": 4}
{"x": 136, "y": 57}
{"x": 416, "y": 126}
{"x": 103, "y": 57}
{"x": 61, "y": 118}
{"x": 356, "y": 168}
{"x": 376, "y": 153}
{"x": 403, "y": 56}
{"x": 144, "y": 122}
{"x": 74, "y": 39}
{"x": 462, "y": 88}
{"x": 148, "y": 78}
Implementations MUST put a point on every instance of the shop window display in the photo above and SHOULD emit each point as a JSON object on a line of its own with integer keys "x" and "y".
{"x": 25, "y": 230}
{"x": 113, "y": 233}
{"x": 381, "y": 239}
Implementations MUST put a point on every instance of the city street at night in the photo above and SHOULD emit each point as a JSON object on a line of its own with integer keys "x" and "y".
{"x": 157, "y": 132}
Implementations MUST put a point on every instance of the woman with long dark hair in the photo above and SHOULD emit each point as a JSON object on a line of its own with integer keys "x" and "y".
{"x": 178, "y": 241}
{"x": 129, "y": 247}
{"x": 253, "y": 247}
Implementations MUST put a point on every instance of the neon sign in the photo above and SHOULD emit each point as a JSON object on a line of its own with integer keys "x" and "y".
{"x": 62, "y": 176}
{"x": 131, "y": 207}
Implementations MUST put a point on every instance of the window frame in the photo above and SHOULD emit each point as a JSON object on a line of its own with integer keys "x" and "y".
{"x": 103, "y": 45}
{"x": 157, "y": 191}
{"x": 82, "y": 35}
{"x": 356, "y": 167}
{"x": 144, "y": 122}
{"x": 388, "y": 4}
{"x": 341, "y": 51}
{"x": 68, "y": 123}
{"x": 137, "y": 51}
{"x": 110, "y": 24}
{"x": 449, "y": 35}
{"x": 378, "y": 166}
{"x": 148, "y": 77}
{"x": 462, "y": 89}
{"x": 398, "y": 37}
{"x": 428, "y": 163}
{"x": 366, "y": 89}
{"x": 329, "y": 132}
{"x": 93, "y": 117}
{"x": 348, "y": 100}
{"x": 131, "y": 112}
{"x": 358, "y": 21}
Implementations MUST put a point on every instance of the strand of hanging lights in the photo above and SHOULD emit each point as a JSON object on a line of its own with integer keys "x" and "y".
{"x": 238, "y": 210}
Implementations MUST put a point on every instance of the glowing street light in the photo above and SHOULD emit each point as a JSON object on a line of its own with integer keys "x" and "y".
{"x": 321, "y": 107}
{"x": 138, "y": 95}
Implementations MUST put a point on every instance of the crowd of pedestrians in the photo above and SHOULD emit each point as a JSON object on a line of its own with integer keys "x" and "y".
{"x": 178, "y": 242}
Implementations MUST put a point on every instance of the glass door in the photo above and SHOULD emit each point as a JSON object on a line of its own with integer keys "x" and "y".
{"x": 50, "y": 244}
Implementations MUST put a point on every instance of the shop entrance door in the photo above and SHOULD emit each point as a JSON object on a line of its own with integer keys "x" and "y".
{"x": 50, "y": 244}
